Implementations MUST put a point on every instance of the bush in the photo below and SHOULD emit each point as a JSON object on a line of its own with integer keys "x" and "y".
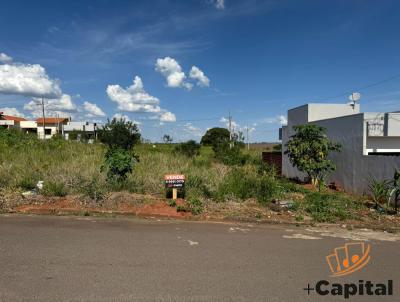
{"x": 119, "y": 163}
{"x": 28, "y": 183}
{"x": 328, "y": 207}
{"x": 189, "y": 148}
{"x": 268, "y": 188}
{"x": 94, "y": 189}
{"x": 54, "y": 189}
{"x": 196, "y": 206}
{"x": 195, "y": 186}
{"x": 229, "y": 156}
{"x": 237, "y": 184}
{"x": 380, "y": 191}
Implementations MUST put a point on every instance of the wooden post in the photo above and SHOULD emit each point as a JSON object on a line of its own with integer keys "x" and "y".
{"x": 174, "y": 193}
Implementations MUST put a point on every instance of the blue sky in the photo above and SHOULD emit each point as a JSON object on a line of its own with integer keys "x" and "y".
{"x": 253, "y": 58}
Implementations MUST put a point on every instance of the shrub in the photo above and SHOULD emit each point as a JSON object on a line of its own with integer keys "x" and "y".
{"x": 189, "y": 148}
{"x": 196, "y": 206}
{"x": 28, "y": 183}
{"x": 268, "y": 188}
{"x": 237, "y": 184}
{"x": 54, "y": 189}
{"x": 195, "y": 186}
{"x": 119, "y": 163}
{"x": 328, "y": 207}
{"x": 94, "y": 189}
{"x": 379, "y": 190}
{"x": 229, "y": 155}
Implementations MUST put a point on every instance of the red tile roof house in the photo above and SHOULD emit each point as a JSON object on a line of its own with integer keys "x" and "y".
{"x": 52, "y": 125}
{"x": 8, "y": 121}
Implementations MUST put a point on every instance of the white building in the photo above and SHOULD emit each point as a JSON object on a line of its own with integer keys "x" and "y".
{"x": 88, "y": 128}
{"x": 52, "y": 126}
{"x": 8, "y": 121}
{"x": 370, "y": 142}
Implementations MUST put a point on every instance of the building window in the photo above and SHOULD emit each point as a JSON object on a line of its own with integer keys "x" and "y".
{"x": 47, "y": 131}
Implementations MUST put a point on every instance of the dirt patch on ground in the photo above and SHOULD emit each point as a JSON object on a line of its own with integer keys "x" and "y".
{"x": 121, "y": 203}
{"x": 125, "y": 203}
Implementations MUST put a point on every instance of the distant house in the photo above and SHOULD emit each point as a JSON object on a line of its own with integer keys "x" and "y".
{"x": 8, "y": 121}
{"x": 81, "y": 128}
{"x": 29, "y": 127}
{"x": 370, "y": 142}
{"x": 52, "y": 126}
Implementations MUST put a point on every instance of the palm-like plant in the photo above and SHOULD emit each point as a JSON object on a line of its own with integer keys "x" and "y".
{"x": 379, "y": 190}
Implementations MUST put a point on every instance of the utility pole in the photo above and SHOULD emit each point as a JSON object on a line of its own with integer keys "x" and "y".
{"x": 230, "y": 129}
{"x": 248, "y": 141}
{"x": 44, "y": 128}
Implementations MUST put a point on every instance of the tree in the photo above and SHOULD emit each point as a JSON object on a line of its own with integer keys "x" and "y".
{"x": 215, "y": 136}
{"x": 167, "y": 139}
{"x": 120, "y": 136}
{"x": 119, "y": 133}
{"x": 308, "y": 151}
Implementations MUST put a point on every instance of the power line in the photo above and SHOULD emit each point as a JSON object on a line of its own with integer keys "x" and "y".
{"x": 362, "y": 87}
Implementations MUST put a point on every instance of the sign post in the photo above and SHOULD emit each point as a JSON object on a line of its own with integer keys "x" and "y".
{"x": 174, "y": 181}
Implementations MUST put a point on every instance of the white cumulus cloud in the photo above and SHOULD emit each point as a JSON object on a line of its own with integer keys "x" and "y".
{"x": 172, "y": 71}
{"x": 11, "y": 111}
{"x": 280, "y": 119}
{"x": 219, "y": 4}
{"x": 167, "y": 117}
{"x": 120, "y": 116}
{"x": 62, "y": 106}
{"x": 28, "y": 80}
{"x": 133, "y": 98}
{"x": 92, "y": 109}
{"x": 197, "y": 74}
{"x": 5, "y": 58}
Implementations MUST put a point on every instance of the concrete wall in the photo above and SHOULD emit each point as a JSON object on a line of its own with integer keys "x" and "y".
{"x": 326, "y": 111}
{"x": 54, "y": 129}
{"x": 383, "y": 144}
{"x": 393, "y": 122}
{"x": 353, "y": 168}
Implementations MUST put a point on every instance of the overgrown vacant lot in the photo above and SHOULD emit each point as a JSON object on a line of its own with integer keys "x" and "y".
{"x": 73, "y": 170}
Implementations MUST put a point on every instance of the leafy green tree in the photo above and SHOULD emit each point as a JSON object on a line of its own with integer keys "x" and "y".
{"x": 119, "y": 133}
{"x": 215, "y": 136}
{"x": 167, "y": 138}
{"x": 308, "y": 151}
{"x": 190, "y": 148}
{"x": 120, "y": 136}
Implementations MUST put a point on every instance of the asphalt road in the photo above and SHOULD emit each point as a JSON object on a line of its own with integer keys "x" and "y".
{"x": 45, "y": 258}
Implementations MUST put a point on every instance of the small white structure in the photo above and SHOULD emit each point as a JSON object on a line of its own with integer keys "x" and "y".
{"x": 52, "y": 126}
{"x": 29, "y": 126}
{"x": 9, "y": 121}
{"x": 370, "y": 142}
{"x": 88, "y": 128}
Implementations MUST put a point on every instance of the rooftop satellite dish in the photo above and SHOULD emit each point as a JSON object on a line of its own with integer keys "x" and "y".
{"x": 354, "y": 98}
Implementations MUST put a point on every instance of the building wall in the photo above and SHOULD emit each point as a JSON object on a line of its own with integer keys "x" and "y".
{"x": 327, "y": 111}
{"x": 383, "y": 144}
{"x": 53, "y": 131}
{"x": 353, "y": 168}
